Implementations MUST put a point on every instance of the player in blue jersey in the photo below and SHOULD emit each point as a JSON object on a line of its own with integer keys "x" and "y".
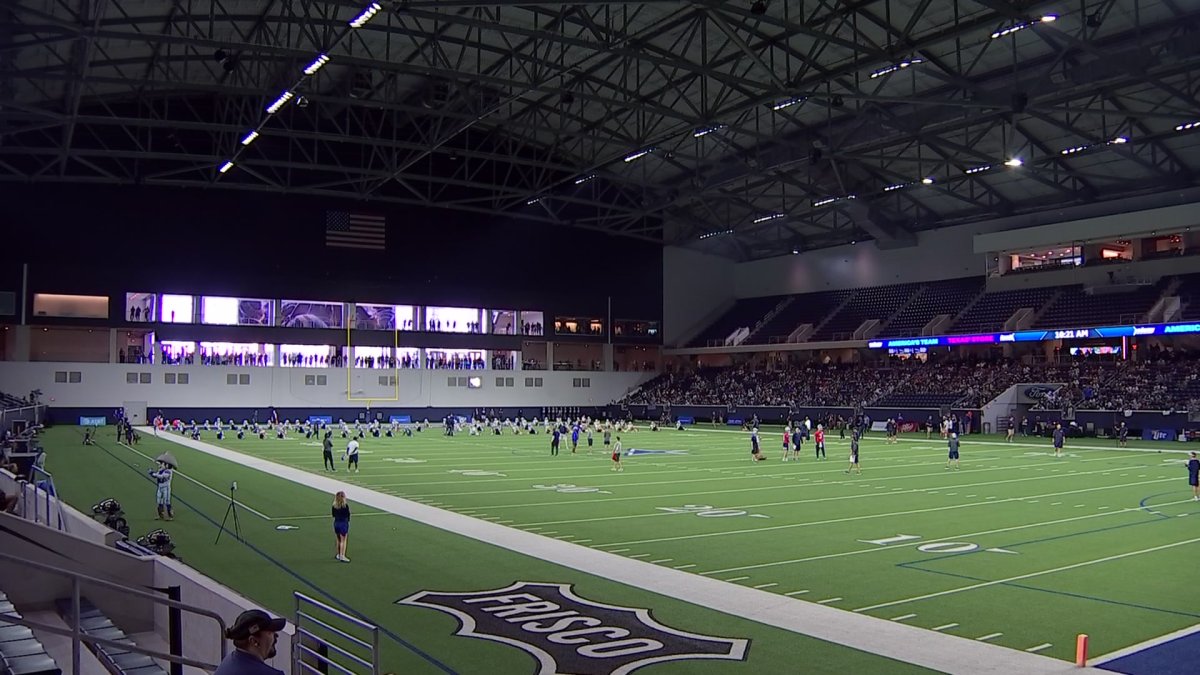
{"x": 1059, "y": 439}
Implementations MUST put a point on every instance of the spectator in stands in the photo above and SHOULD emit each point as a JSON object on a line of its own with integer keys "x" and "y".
{"x": 8, "y": 503}
{"x": 253, "y": 634}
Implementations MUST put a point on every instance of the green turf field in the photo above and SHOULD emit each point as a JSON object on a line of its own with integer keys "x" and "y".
{"x": 1017, "y": 548}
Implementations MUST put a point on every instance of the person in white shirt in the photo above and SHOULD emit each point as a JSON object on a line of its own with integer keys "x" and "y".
{"x": 351, "y": 455}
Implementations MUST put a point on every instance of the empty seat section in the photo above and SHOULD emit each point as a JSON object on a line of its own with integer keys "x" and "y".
{"x": 940, "y": 297}
{"x": 1189, "y": 296}
{"x": 117, "y": 659}
{"x": 808, "y": 308}
{"x": 1076, "y": 307}
{"x": 20, "y": 652}
{"x": 878, "y": 302}
{"x": 990, "y": 312}
{"x": 746, "y": 312}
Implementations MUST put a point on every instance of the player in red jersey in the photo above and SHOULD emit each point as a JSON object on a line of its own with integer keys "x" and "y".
{"x": 819, "y": 441}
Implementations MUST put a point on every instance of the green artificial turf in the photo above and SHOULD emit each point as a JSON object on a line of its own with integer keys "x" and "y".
{"x": 801, "y": 528}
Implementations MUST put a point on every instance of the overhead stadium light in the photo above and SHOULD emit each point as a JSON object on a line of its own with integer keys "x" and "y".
{"x": 708, "y": 235}
{"x": 895, "y": 186}
{"x": 977, "y": 169}
{"x": 704, "y": 131}
{"x": 928, "y": 180}
{"x": 316, "y": 65}
{"x": 225, "y": 167}
{"x": 788, "y": 102}
{"x": 1016, "y": 27}
{"x": 250, "y": 138}
{"x": 583, "y": 179}
{"x": 639, "y": 154}
{"x": 825, "y": 202}
{"x": 280, "y": 102}
{"x": 768, "y": 217}
{"x": 362, "y": 19}
{"x": 534, "y": 200}
{"x": 895, "y": 67}
{"x": 1014, "y": 162}
{"x": 1187, "y": 126}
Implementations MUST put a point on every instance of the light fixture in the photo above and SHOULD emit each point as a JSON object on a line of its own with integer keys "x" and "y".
{"x": 895, "y": 67}
{"x": 533, "y": 201}
{"x": 977, "y": 169}
{"x": 825, "y": 202}
{"x": 316, "y": 65}
{"x": 1187, "y": 126}
{"x": 704, "y": 131}
{"x": 708, "y": 235}
{"x": 583, "y": 179}
{"x": 250, "y": 138}
{"x": 639, "y": 154}
{"x": 362, "y": 19}
{"x": 895, "y": 186}
{"x": 1119, "y": 140}
{"x": 768, "y": 217}
{"x": 225, "y": 167}
{"x": 1013, "y": 162}
{"x": 1047, "y": 18}
{"x": 788, "y": 102}
{"x": 279, "y": 102}
{"x": 928, "y": 180}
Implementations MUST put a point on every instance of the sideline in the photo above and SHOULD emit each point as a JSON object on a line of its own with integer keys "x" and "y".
{"x": 891, "y": 639}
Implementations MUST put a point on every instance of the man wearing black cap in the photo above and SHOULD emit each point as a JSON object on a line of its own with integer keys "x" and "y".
{"x": 253, "y": 635}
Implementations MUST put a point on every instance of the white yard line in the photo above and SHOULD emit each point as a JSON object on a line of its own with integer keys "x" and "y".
{"x": 872, "y": 516}
{"x": 1038, "y": 648}
{"x": 989, "y": 636}
{"x": 945, "y": 626}
{"x": 1030, "y": 575}
{"x": 952, "y": 537}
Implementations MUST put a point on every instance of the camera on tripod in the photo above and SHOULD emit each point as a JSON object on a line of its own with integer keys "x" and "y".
{"x": 158, "y": 541}
{"x": 112, "y": 514}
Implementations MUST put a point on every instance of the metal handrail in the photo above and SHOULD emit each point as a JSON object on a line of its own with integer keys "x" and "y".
{"x": 79, "y": 637}
{"x": 300, "y": 649}
{"x": 34, "y": 472}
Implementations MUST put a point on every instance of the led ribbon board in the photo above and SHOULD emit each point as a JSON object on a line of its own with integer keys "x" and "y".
{"x": 1038, "y": 336}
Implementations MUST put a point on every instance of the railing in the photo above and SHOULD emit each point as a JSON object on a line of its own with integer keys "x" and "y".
{"x": 37, "y": 411}
{"x": 39, "y": 478}
{"x": 309, "y": 646}
{"x": 79, "y": 638}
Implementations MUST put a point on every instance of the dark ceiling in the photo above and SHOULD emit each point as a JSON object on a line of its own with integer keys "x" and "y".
{"x": 744, "y": 128}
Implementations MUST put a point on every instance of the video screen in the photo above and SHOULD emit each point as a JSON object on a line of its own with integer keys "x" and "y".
{"x": 305, "y": 314}
{"x": 175, "y": 308}
{"x": 374, "y": 317}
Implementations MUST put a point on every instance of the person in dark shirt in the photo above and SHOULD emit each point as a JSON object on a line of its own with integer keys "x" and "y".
{"x": 1193, "y": 467}
{"x": 253, "y": 635}
{"x": 1059, "y": 437}
{"x": 341, "y": 525}
{"x": 953, "y": 454}
{"x": 327, "y": 452}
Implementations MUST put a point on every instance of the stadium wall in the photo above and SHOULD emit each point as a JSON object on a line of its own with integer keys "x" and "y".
{"x": 110, "y": 240}
{"x": 939, "y": 254}
{"x": 697, "y": 288}
{"x": 105, "y": 386}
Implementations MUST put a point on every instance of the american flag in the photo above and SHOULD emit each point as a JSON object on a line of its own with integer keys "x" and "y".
{"x": 355, "y": 230}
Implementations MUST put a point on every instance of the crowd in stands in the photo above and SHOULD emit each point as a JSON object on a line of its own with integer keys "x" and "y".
{"x": 1158, "y": 381}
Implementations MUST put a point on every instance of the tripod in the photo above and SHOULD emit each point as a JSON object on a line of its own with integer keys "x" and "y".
{"x": 231, "y": 509}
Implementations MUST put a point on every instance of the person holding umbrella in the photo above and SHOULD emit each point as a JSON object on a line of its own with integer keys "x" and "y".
{"x": 162, "y": 477}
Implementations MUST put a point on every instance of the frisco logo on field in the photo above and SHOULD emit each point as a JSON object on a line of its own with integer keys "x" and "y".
{"x": 568, "y": 634}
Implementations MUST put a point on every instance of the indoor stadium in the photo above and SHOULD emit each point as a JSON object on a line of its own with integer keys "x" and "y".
{"x": 652, "y": 337}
